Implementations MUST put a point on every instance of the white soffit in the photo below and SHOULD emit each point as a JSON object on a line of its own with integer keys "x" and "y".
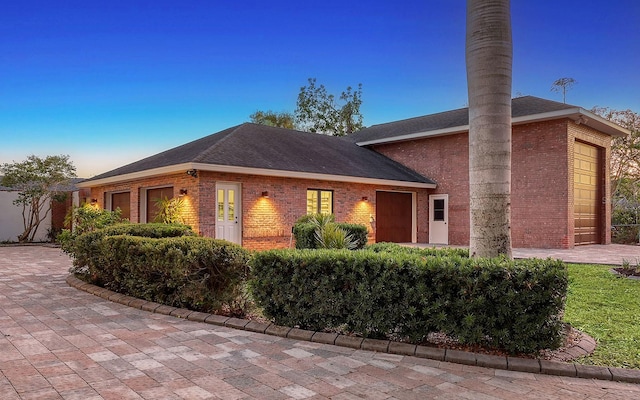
{"x": 182, "y": 168}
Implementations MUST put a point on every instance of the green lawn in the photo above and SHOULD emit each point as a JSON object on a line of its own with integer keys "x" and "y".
{"x": 607, "y": 308}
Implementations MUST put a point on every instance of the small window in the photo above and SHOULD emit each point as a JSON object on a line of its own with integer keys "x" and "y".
{"x": 319, "y": 201}
{"x": 438, "y": 210}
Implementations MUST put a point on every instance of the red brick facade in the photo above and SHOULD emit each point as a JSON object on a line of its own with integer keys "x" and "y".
{"x": 266, "y": 222}
{"x": 541, "y": 186}
{"x": 542, "y": 190}
{"x": 60, "y": 209}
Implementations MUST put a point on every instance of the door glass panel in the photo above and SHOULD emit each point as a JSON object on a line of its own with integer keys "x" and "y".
{"x": 232, "y": 203}
{"x": 220, "y": 205}
{"x": 438, "y": 209}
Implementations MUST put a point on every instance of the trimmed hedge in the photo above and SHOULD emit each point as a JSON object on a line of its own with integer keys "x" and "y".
{"x": 163, "y": 263}
{"x": 305, "y": 234}
{"x": 511, "y": 305}
{"x": 395, "y": 248}
{"x": 84, "y": 247}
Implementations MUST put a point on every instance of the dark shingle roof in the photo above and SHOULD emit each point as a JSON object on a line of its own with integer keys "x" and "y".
{"x": 520, "y": 107}
{"x": 264, "y": 147}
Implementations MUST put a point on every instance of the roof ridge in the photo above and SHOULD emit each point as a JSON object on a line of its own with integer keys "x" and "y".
{"x": 225, "y": 133}
{"x": 546, "y": 100}
{"x": 418, "y": 117}
{"x": 433, "y": 115}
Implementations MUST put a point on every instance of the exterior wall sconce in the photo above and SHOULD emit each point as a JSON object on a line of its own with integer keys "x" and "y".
{"x": 183, "y": 192}
{"x": 192, "y": 172}
{"x": 94, "y": 202}
{"x": 265, "y": 194}
{"x": 365, "y": 198}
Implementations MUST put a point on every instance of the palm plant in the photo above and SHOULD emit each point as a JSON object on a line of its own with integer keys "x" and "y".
{"x": 169, "y": 210}
{"x": 329, "y": 235}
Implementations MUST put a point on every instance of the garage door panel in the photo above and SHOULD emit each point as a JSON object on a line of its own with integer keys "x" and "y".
{"x": 586, "y": 216}
{"x": 394, "y": 217}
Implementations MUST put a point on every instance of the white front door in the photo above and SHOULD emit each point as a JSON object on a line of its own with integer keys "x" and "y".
{"x": 228, "y": 212}
{"x": 439, "y": 219}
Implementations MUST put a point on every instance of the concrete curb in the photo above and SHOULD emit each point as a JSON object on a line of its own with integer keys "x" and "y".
{"x": 586, "y": 345}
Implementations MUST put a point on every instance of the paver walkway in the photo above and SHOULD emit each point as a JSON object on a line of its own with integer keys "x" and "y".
{"x": 612, "y": 254}
{"x": 57, "y": 342}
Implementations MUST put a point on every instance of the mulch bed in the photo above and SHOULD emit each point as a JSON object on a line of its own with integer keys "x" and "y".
{"x": 629, "y": 272}
{"x": 572, "y": 337}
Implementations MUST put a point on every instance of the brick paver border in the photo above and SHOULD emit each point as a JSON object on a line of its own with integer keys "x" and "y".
{"x": 586, "y": 346}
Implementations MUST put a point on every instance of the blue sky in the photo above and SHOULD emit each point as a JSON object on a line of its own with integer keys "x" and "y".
{"x": 110, "y": 82}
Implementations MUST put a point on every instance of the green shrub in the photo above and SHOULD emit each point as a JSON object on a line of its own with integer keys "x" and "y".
{"x": 625, "y": 234}
{"x": 332, "y": 236}
{"x": 358, "y": 232}
{"x": 165, "y": 264}
{"x": 197, "y": 273}
{"x": 85, "y": 248}
{"x": 320, "y": 231}
{"x": 512, "y": 305}
{"x": 304, "y": 233}
{"x": 87, "y": 218}
{"x": 169, "y": 210}
{"x": 395, "y": 248}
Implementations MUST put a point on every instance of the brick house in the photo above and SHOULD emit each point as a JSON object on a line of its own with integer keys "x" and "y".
{"x": 406, "y": 180}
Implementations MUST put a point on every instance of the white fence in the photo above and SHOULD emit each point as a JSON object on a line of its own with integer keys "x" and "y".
{"x": 11, "y": 220}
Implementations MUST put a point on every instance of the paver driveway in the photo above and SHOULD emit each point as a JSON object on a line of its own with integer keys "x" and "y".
{"x": 59, "y": 342}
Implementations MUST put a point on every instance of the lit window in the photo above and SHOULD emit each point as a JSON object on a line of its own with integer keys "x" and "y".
{"x": 319, "y": 201}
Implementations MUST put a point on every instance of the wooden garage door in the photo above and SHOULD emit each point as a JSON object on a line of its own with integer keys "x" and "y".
{"x": 393, "y": 217}
{"x": 585, "y": 179}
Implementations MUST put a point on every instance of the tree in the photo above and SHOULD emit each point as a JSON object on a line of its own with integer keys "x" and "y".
{"x": 563, "y": 85}
{"x": 318, "y": 112}
{"x": 625, "y": 151}
{"x": 38, "y": 181}
{"x": 489, "y": 58}
{"x": 625, "y": 173}
{"x": 272, "y": 118}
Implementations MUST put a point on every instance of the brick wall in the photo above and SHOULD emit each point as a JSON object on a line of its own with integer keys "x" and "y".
{"x": 266, "y": 222}
{"x": 542, "y": 180}
{"x": 135, "y": 187}
{"x": 540, "y": 195}
{"x": 444, "y": 159}
{"x": 59, "y": 210}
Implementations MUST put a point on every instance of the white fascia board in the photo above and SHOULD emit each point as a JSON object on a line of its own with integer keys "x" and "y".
{"x": 590, "y": 119}
{"x": 417, "y": 135}
{"x": 171, "y": 169}
{"x": 604, "y": 125}
{"x": 182, "y": 168}
{"x": 580, "y": 116}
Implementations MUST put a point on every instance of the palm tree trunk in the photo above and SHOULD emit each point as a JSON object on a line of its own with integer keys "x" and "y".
{"x": 489, "y": 56}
